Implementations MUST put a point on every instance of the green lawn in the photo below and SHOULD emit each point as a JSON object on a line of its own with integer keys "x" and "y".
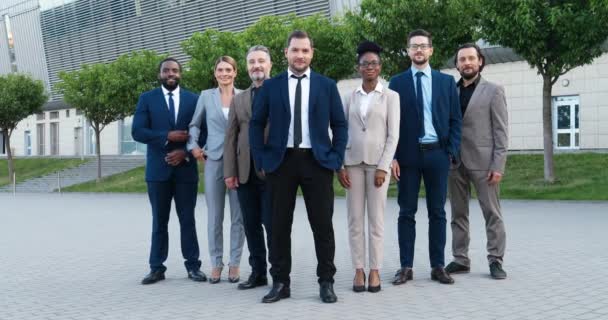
{"x": 581, "y": 176}
{"x": 28, "y": 168}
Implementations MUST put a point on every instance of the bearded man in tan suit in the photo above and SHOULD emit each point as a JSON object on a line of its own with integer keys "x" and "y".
{"x": 483, "y": 155}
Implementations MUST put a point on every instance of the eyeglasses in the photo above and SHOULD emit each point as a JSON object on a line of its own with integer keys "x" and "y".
{"x": 423, "y": 46}
{"x": 366, "y": 64}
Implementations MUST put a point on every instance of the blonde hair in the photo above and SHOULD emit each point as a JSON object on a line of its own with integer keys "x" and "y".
{"x": 227, "y": 59}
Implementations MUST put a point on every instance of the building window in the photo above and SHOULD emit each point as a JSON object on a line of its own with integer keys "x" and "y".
{"x": 78, "y": 112}
{"x": 566, "y": 133}
{"x": 127, "y": 144}
{"x": 40, "y": 116}
{"x": 2, "y": 143}
{"x": 40, "y": 139}
{"x": 11, "y": 43}
{"x": 54, "y": 115}
{"x": 67, "y": 113}
{"x": 54, "y": 138}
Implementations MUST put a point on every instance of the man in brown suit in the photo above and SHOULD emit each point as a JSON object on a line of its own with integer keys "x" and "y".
{"x": 483, "y": 154}
{"x": 241, "y": 174}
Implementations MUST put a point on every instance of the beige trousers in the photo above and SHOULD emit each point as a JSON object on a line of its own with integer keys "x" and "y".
{"x": 364, "y": 194}
{"x": 459, "y": 184}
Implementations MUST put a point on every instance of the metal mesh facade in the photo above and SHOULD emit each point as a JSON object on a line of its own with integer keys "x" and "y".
{"x": 89, "y": 31}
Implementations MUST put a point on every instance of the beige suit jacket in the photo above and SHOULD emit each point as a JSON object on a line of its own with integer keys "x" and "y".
{"x": 237, "y": 156}
{"x": 374, "y": 140}
{"x": 485, "y": 129}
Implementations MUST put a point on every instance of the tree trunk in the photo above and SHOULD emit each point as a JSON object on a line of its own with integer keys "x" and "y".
{"x": 98, "y": 152}
{"x": 9, "y": 154}
{"x": 548, "y": 130}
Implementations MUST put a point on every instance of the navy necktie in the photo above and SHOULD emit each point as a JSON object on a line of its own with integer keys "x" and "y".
{"x": 172, "y": 108}
{"x": 297, "y": 112}
{"x": 420, "y": 102}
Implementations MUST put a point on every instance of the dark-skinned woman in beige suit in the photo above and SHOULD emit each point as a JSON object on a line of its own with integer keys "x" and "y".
{"x": 373, "y": 131}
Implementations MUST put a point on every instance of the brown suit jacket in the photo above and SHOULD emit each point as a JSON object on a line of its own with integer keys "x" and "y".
{"x": 374, "y": 140}
{"x": 237, "y": 158}
{"x": 485, "y": 129}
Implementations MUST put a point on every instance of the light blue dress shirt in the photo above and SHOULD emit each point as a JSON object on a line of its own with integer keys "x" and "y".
{"x": 430, "y": 135}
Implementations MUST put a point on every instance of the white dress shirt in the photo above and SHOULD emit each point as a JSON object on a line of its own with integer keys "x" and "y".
{"x": 305, "y": 84}
{"x": 175, "y": 99}
{"x": 366, "y": 98}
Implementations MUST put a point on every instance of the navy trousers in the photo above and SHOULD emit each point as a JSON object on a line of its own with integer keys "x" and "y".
{"x": 433, "y": 169}
{"x": 255, "y": 200}
{"x": 161, "y": 194}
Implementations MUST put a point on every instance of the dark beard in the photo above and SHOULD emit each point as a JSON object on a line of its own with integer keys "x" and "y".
{"x": 468, "y": 76}
{"x": 169, "y": 86}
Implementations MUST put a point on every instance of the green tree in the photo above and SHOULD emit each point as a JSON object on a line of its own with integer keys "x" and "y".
{"x": 333, "y": 42}
{"x": 20, "y": 96}
{"x": 553, "y": 36}
{"x": 388, "y": 22}
{"x": 108, "y": 92}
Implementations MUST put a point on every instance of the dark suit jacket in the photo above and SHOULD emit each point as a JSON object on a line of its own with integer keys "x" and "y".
{"x": 447, "y": 117}
{"x": 151, "y": 124}
{"x": 325, "y": 111}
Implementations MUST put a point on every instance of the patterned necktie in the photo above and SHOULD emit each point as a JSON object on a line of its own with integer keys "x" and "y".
{"x": 172, "y": 108}
{"x": 297, "y": 112}
{"x": 419, "y": 102}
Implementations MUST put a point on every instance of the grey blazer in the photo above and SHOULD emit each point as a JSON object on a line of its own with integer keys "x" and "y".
{"x": 209, "y": 109}
{"x": 374, "y": 140}
{"x": 485, "y": 129}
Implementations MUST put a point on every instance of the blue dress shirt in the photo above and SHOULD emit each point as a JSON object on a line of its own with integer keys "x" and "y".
{"x": 430, "y": 135}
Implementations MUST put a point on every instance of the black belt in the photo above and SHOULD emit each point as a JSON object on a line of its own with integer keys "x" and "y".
{"x": 299, "y": 150}
{"x": 429, "y": 146}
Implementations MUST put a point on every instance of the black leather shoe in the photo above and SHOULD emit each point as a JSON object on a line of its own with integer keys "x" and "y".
{"x": 374, "y": 289}
{"x": 357, "y": 288}
{"x": 403, "y": 275}
{"x": 496, "y": 271}
{"x": 279, "y": 291}
{"x": 197, "y": 275}
{"x": 255, "y": 280}
{"x": 153, "y": 277}
{"x": 454, "y": 267}
{"x": 439, "y": 274}
{"x": 326, "y": 292}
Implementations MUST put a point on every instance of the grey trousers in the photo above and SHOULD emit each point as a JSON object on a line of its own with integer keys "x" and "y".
{"x": 364, "y": 194}
{"x": 459, "y": 184}
{"x": 215, "y": 196}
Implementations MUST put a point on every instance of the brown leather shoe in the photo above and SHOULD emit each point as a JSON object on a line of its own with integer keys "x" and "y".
{"x": 403, "y": 275}
{"x": 439, "y": 274}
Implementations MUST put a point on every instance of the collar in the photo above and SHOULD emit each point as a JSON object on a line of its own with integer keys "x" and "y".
{"x": 426, "y": 71}
{"x": 307, "y": 73}
{"x": 379, "y": 88}
{"x": 472, "y": 85}
{"x": 166, "y": 92}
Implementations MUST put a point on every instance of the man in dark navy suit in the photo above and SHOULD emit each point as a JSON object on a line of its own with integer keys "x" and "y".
{"x": 429, "y": 139}
{"x": 161, "y": 122}
{"x": 300, "y": 106}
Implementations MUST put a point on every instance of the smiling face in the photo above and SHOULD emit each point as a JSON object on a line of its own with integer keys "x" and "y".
{"x": 468, "y": 63}
{"x": 420, "y": 50}
{"x": 224, "y": 73}
{"x": 258, "y": 66}
{"x": 369, "y": 66}
{"x": 169, "y": 75}
{"x": 299, "y": 55}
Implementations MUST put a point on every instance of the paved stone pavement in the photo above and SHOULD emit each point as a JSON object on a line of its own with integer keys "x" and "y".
{"x": 81, "y": 256}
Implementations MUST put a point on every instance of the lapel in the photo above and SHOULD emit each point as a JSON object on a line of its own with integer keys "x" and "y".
{"x": 284, "y": 89}
{"x": 436, "y": 86}
{"x": 410, "y": 91}
{"x": 217, "y": 105}
{"x": 481, "y": 86}
{"x": 182, "y": 105}
{"x": 355, "y": 107}
{"x": 315, "y": 87}
{"x": 160, "y": 96}
{"x": 247, "y": 102}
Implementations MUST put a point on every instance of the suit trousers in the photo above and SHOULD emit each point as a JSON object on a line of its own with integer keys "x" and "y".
{"x": 300, "y": 169}
{"x": 255, "y": 200}
{"x": 215, "y": 196}
{"x": 364, "y": 194}
{"x": 460, "y": 182}
{"x": 161, "y": 194}
{"x": 433, "y": 169}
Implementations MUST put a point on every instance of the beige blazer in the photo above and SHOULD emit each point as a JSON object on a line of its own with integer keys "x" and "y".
{"x": 374, "y": 140}
{"x": 237, "y": 158}
{"x": 485, "y": 129}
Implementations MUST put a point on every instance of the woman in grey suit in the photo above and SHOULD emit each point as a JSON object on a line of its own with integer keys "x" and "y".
{"x": 212, "y": 110}
{"x": 373, "y": 132}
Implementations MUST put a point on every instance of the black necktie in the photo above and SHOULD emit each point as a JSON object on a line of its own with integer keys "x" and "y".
{"x": 297, "y": 112}
{"x": 419, "y": 102}
{"x": 172, "y": 108}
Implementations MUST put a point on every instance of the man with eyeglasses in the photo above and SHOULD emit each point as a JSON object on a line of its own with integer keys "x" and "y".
{"x": 429, "y": 140}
